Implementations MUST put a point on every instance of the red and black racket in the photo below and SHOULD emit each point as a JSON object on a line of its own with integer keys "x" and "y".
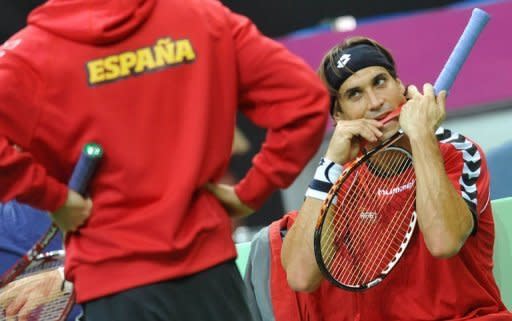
{"x": 53, "y": 299}
{"x": 368, "y": 217}
{"x": 33, "y": 263}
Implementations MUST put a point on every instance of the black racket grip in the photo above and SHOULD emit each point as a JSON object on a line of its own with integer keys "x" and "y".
{"x": 85, "y": 167}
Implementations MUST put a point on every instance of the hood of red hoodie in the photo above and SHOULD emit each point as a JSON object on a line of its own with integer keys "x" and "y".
{"x": 96, "y": 22}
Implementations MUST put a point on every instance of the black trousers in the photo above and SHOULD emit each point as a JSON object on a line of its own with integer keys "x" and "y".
{"x": 217, "y": 294}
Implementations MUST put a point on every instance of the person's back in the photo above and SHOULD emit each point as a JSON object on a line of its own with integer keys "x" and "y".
{"x": 157, "y": 84}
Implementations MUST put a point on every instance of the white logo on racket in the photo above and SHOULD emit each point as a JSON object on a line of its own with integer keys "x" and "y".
{"x": 368, "y": 216}
{"x": 343, "y": 61}
{"x": 384, "y": 192}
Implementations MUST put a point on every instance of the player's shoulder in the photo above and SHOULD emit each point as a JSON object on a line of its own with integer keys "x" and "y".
{"x": 212, "y": 7}
{"x": 451, "y": 141}
{"x": 26, "y": 47}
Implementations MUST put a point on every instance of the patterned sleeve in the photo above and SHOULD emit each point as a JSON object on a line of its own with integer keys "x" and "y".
{"x": 467, "y": 169}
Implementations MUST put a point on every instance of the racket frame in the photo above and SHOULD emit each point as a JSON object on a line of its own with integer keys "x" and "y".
{"x": 45, "y": 257}
{"x": 331, "y": 197}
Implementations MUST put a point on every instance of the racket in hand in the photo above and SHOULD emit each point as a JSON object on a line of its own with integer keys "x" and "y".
{"x": 34, "y": 266}
{"x": 368, "y": 217}
{"x": 39, "y": 293}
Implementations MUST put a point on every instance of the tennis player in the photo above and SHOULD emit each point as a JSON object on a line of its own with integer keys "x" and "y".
{"x": 446, "y": 271}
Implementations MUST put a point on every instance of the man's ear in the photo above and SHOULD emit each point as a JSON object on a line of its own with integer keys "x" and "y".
{"x": 338, "y": 114}
{"x": 403, "y": 88}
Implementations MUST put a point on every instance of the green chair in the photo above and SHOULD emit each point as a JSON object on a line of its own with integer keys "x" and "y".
{"x": 243, "y": 250}
{"x": 502, "y": 209}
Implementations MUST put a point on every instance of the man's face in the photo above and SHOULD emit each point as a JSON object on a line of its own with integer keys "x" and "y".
{"x": 371, "y": 93}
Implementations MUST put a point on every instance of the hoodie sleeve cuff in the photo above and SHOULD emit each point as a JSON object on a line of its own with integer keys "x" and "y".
{"x": 254, "y": 189}
{"x": 53, "y": 196}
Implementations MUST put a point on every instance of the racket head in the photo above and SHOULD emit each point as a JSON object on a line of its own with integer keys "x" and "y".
{"x": 24, "y": 262}
{"x": 367, "y": 219}
{"x": 49, "y": 300}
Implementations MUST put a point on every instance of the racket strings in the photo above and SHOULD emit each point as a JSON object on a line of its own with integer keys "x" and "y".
{"x": 375, "y": 250}
{"x": 366, "y": 266}
{"x": 341, "y": 229}
{"x": 390, "y": 244}
{"x": 359, "y": 262}
{"x": 391, "y": 226}
{"x": 45, "y": 308}
{"x": 366, "y": 262}
{"x": 348, "y": 198}
{"x": 363, "y": 266}
{"x": 41, "y": 287}
{"x": 354, "y": 242}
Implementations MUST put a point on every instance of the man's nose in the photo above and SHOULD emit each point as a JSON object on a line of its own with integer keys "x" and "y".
{"x": 374, "y": 100}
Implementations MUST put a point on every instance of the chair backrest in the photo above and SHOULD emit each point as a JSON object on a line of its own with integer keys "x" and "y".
{"x": 498, "y": 161}
{"x": 502, "y": 209}
{"x": 243, "y": 250}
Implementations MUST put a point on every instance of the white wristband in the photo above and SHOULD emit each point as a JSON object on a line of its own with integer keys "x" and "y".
{"x": 326, "y": 174}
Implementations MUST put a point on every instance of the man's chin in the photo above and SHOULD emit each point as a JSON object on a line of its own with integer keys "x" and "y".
{"x": 389, "y": 130}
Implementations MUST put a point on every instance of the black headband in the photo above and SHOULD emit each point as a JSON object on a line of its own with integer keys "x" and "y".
{"x": 344, "y": 63}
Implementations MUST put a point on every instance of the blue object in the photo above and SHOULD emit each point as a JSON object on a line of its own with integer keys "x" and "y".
{"x": 460, "y": 53}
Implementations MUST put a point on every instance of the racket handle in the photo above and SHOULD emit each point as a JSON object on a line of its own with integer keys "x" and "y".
{"x": 84, "y": 169}
{"x": 476, "y": 24}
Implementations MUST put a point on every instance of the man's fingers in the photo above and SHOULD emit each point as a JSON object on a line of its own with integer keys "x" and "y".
{"x": 24, "y": 314}
{"x": 214, "y": 189}
{"x": 376, "y": 131}
{"x": 412, "y": 92}
{"x": 375, "y": 123}
{"x": 368, "y": 134}
{"x": 366, "y": 128}
{"x": 15, "y": 306}
{"x": 88, "y": 206}
{"x": 428, "y": 90}
{"x": 441, "y": 98}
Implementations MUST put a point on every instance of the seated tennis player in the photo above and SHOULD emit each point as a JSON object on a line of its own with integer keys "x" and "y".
{"x": 445, "y": 270}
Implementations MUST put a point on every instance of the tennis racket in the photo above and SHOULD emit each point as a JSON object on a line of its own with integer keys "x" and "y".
{"x": 53, "y": 299}
{"x": 33, "y": 265}
{"x": 368, "y": 217}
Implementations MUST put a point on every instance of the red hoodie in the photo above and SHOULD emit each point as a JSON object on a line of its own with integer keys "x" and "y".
{"x": 158, "y": 84}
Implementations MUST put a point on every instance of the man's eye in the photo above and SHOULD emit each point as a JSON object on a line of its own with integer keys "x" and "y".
{"x": 354, "y": 94}
{"x": 380, "y": 81}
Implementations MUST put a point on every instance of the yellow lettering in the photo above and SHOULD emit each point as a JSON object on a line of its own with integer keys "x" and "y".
{"x": 164, "y": 52}
{"x": 144, "y": 60}
{"x": 96, "y": 71}
{"x": 184, "y": 51}
{"x": 112, "y": 70}
{"x": 127, "y": 61}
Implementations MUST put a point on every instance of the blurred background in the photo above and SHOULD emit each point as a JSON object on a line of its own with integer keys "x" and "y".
{"x": 419, "y": 33}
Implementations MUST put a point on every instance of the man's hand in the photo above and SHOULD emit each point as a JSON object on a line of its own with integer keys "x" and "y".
{"x": 227, "y": 196}
{"x": 73, "y": 213}
{"x": 345, "y": 142}
{"x": 22, "y": 297}
{"x": 422, "y": 113}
